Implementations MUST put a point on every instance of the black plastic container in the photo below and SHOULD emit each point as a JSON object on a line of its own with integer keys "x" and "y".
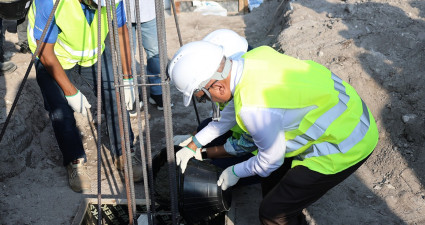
{"x": 14, "y": 9}
{"x": 199, "y": 196}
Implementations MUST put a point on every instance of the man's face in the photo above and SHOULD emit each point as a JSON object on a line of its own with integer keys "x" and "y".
{"x": 217, "y": 91}
{"x": 201, "y": 95}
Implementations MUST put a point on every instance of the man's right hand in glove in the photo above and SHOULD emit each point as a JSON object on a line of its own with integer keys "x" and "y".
{"x": 183, "y": 156}
{"x": 78, "y": 103}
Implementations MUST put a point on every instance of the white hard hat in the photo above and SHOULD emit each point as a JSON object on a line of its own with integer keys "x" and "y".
{"x": 193, "y": 66}
{"x": 231, "y": 41}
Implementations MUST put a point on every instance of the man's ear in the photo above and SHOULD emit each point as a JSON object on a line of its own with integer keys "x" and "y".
{"x": 220, "y": 87}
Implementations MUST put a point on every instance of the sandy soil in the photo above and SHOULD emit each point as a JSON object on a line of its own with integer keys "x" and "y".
{"x": 375, "y": 45}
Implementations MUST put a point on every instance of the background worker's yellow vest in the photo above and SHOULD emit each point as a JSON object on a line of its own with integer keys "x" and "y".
{"x": 77, "y": 42}
{"x": 337, "y": 134}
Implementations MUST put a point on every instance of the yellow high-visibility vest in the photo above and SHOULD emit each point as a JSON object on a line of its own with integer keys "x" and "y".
{"x": 77, "y": 42}
{"x": 337, "y": 134}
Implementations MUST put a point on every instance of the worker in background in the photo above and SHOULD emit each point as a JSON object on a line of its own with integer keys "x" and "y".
{"x": 5, "y": 67}
{"x": 311, "y": 128}
{"x": 69, "y": 51}
{"x": 150, "y": 44}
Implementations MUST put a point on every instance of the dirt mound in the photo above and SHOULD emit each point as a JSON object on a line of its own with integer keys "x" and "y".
{"x": 377, "y": 47}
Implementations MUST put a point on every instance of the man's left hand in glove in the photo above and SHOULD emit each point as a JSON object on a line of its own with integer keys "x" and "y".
{"x": 227, "y": 178}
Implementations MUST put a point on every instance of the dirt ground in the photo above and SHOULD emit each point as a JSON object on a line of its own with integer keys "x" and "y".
{"x": 375, "y": 45}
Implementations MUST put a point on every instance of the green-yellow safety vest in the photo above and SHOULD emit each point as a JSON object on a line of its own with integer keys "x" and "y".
{"x": 77, "y": 42}
{"x": 337, "y": 134}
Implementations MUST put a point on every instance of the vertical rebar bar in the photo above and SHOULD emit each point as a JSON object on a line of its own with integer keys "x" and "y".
{"x": 116, "y": 64}
{"x": 99, "y": 115}
{"x": 146, "y": 154}
{"x": 160, "y": 20}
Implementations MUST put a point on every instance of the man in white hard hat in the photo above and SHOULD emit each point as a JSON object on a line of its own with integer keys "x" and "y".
{"x": 235, "y": 145}
{"x": 70, "y": 49}
{"x": 235, "y": 142}
{"x": 311, "y": 128}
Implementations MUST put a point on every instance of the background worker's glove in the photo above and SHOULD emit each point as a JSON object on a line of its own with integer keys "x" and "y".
{"x": 129, "y": 94}
{"x": 182, "y": 140}
{"x": 78, "y": 103}
{"x": 183, "y": 156}
{"x": 227, "y": 178}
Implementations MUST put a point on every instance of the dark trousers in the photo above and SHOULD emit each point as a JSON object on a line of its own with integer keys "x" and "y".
{"x": 62, "y": 115}
{"x": 288, "y": 191}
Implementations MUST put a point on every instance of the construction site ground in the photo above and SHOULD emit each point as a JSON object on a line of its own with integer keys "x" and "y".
{"x": 378, "y": 46}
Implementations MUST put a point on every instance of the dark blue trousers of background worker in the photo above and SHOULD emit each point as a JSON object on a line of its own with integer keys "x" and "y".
{"x": 62, "y": 115}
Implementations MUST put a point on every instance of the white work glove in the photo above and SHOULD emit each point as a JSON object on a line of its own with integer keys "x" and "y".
{"x": 187, "y": 139}
{"x": 182, "y": 140}
{"x": 183, "y": 156}
{"x": 227, "y": 178}
{"x": 78, "y": 103}
{"x": 130, "y": 97}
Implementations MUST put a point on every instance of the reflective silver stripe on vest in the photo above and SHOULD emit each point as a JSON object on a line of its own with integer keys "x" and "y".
{"x": 32, "y": 39}
{"x": 84, "y": 53}
{"x": 322, "y": 124}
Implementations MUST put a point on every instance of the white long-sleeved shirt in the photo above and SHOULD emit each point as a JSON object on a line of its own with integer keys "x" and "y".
{"x": 267, "y": 127}
{"x": 147, "y": 11}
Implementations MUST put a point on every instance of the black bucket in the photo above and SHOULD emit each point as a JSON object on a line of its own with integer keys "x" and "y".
{"x": 199, "y": 197}
{"x": 14, "y": 9}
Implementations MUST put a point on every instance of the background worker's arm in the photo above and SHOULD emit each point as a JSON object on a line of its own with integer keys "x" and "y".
{"x": 125, "y": 51}
{"x": 47, "y": 55}
{"x": 51, "y": 63}
{"x": 76, "y": 100}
